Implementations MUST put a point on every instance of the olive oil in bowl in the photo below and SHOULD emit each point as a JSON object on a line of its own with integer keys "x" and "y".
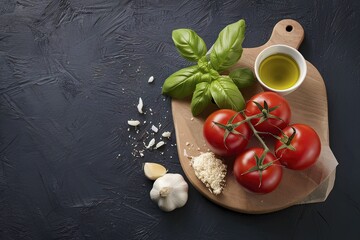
{"x": 279, "y": 71}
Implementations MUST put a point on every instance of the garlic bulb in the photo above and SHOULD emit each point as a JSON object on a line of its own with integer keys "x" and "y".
{"x": 170, "y": 192}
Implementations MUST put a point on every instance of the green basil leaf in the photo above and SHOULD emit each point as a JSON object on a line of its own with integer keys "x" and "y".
{"x": 226, "y": 94}
{"x": 189, "y": 44}
{"x": 227, "y": 49}
{"x": 182, "y": 83}
{"x": 242, "y": 77}
{"x": 201, "y": 98}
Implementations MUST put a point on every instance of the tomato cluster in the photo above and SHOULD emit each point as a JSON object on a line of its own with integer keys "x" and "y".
{"x": 296, "y": 147}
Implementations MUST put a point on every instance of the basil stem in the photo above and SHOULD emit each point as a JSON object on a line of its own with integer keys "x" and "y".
{"x": 204, "y": 65}
{"x": 226, "y": 94}
{"x": 189, "y": 44}
{"x": 242, "y": 77}
{"x": 227, "y": 49}
{"x": 182, "y": 83}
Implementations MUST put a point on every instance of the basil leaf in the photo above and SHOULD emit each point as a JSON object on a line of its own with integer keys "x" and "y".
{"x": 189, "y": 44}
{"x": 181, "y": 83}
{"x": 226, "y": 94}
{"x": 242, "y": 77}
{"x": 201, "y": 98}
{"x": 227, "y": 48}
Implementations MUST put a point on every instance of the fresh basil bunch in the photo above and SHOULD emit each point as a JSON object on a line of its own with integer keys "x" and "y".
{"x": 204, "y": 80}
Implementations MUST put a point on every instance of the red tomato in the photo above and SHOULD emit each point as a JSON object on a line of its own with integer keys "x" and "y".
{"x": 307, "y": 147}
{"x": 271, "y": 176}
{"x": 271, "y": 124}
{"x": 214, "y": 134}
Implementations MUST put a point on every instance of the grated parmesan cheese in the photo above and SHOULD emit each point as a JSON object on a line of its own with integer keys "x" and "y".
{"x": 211, "y": 171}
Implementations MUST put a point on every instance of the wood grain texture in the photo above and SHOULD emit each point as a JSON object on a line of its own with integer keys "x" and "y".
{"x": 309, "y": 106}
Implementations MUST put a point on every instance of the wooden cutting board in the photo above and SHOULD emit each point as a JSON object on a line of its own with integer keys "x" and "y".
{"x": 309, "y": 106}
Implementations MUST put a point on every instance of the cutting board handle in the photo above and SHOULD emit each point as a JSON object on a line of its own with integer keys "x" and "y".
{"x": 288, "y": 32}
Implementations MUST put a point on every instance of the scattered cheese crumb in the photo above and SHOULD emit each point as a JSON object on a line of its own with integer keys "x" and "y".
{"x": 192, "y": 119}
{"x": 151, "y": 143}
{"x": 159, "y": 144}
{"x": 211, "y": 171}
{"x": 186, "y": 155}
{"x": 155, "y": 129}
{"x": 187, "y": 144}
{"x": 133, "y": 123}
{"x": 140, "y": 105}
{"x": 166, "y": 134}
{"x": 151, "y": 79}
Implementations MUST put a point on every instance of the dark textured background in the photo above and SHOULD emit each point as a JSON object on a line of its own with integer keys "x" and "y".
{"x": 71, "y": 74}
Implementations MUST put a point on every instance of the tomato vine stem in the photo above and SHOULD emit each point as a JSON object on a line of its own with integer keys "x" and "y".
{"x": 230, "y": 127}
{"x": 260, "y": 166}
{"x": 256, "y": 133}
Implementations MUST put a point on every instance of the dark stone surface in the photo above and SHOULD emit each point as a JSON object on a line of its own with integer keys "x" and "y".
{"x": 71, "y": 73}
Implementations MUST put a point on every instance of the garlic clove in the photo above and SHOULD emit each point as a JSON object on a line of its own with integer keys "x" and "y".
{"x": 154, "y": 170}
